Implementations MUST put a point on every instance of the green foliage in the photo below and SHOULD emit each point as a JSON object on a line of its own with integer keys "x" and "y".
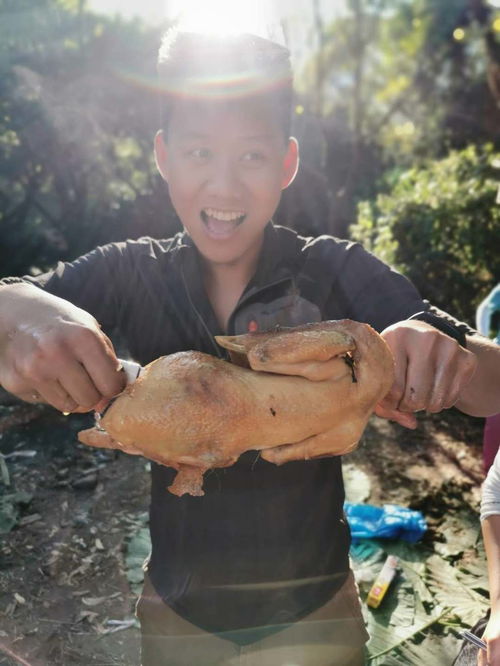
{"x": 430, "y": 598}
{"x": 77, "y": 118}
{"x": 395, "y": 87}
{"x": 440, "y": 226}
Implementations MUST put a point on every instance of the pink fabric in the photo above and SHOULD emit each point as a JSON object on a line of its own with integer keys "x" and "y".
{"x": 491, "y": 440}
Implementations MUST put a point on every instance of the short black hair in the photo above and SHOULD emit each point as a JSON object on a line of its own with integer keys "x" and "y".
{"x": 225, "y": 67}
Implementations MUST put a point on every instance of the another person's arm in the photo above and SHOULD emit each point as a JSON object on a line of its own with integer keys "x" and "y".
{"x": 490, "y": 523}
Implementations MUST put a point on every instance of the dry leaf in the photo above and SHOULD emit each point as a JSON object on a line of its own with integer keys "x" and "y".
{"x": 27, "y": 520}
{"x": 93, "y": 601}
{"x": 87, "y": 615}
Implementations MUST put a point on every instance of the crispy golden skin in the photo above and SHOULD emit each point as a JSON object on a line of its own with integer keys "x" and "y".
{"x": 308, "y": 392}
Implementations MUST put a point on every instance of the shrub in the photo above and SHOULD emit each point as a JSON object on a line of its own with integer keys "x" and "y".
{"x": 440, "y": 226}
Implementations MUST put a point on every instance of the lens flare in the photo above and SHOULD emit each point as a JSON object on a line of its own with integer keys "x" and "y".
{"x": 226, "y": 17}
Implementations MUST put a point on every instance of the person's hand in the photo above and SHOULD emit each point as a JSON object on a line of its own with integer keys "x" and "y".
{"x": 431, "y": 371}
{"x": 53, "y": 352}
{"x": 492, "y": 637}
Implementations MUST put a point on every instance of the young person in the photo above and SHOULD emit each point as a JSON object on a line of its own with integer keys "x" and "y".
{"x": 490, "y": 524}
{"x": 488, "y": 628}
{"x": 257, "y": 570}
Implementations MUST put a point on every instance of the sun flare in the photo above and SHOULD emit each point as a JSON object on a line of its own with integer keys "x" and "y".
{"x": 226, "y": 17}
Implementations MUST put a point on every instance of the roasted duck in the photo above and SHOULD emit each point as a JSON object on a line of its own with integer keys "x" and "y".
{"x": 293, "y": 393}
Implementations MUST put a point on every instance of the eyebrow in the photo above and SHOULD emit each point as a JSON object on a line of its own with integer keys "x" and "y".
{"x": 190, "y": 135}
{"x": 257, "y": 137}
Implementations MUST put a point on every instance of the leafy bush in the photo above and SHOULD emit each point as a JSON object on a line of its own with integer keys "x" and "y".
{"x": 440, "y": 226}
{"x": 78, "y": 113}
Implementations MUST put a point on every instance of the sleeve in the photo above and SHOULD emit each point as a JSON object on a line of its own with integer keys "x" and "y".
{"x": 378, "y": 294}
{"x": 374, "y": 292}
{"x": 490, "y": 498}
{"x": 94, "y": 282}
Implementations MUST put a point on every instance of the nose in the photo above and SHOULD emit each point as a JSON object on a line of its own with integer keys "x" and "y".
{"x": 223, "y": 181}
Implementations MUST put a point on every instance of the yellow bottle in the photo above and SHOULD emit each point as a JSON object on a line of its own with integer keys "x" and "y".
{"x": 382, "y": 582}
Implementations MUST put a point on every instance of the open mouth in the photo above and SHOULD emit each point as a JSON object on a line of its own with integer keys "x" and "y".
{"x": 221, "y": 223}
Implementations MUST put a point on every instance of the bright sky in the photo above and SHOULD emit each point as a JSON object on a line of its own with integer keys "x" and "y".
{"x": 251, "y": 15}
{"x": 149, "y": 10}
{"x": 154, "y": 10}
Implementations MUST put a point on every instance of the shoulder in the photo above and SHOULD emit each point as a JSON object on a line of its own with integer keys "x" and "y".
{"x": 339, "y": 255}
{"x": 330, "y": 245}
{"x": 129, "y": 254}
{"x": 143, "y": 246}
{"x": 316, "y": 246}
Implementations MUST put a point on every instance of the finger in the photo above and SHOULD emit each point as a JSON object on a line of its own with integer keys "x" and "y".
{"x": 102, "y": 366}
{"x": 32, "y": 397}
{"x": 467, "y": 364}
{"x": 101, "y": 405}
{"x": 406, "y": 419}
{"x": 393, "y": 398}
{"x": 329, "y": 443}
{"x": 52, "y": 393}
{"x": 419, "y": 385}
{"x": 493, "y": 652}
{"x": 75, "y": 379}
{"x": 445, "y": 386}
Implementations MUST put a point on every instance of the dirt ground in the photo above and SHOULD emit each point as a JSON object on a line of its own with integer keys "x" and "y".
{"x": 64, "y": 595}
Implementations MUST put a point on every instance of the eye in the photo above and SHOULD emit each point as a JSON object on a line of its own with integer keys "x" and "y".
{"x": 254, "y": 157}
{"x": 200, "y": 154}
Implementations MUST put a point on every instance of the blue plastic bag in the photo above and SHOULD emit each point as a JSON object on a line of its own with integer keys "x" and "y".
{"x": 390, "y": 521}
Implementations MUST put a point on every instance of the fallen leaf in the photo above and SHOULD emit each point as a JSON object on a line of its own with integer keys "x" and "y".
{"x": 87, "y": 615}
{"x": 95, "y": 601}
{"x": 27, "y": 520}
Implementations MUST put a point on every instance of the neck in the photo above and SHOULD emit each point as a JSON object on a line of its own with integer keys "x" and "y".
{"x": 227, "y": 275}
{"x": 225, "y": 283}
{"x": 238, "y": 271}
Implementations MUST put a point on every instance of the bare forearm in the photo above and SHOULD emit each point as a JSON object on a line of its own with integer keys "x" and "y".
{"x": 491, "y": 534}
{"x": 481, "y": 396}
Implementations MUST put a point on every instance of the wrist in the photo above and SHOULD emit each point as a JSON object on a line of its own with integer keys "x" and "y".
{"x": 441, "y": 324}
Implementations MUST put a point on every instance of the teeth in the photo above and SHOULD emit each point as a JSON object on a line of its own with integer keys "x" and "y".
{"x": 223, "y": 215}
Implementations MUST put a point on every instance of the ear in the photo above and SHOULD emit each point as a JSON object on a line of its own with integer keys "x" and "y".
{"x": 161, "y": 153}
{"x": 290, "y": 163}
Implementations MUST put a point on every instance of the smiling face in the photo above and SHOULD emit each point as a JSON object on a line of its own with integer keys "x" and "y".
{"x": 225, "y": 164}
